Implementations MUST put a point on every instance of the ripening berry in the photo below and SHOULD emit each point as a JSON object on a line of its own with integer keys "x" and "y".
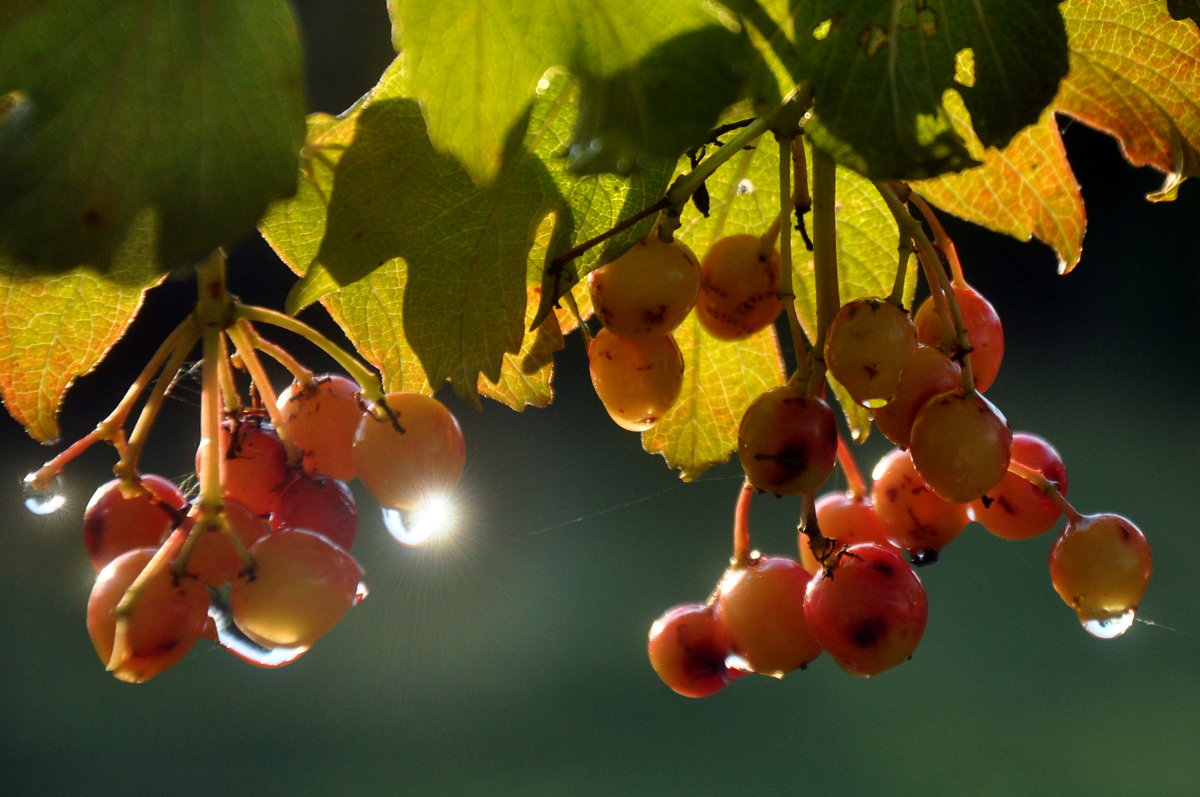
{"x": 636, "y": 379}
{"x": 984, "y": 332}
{"x": 687, "y": 648}
{"x": 1100, "y": 567}
{"x": 761, "y": 606}
{"x": 1017, "y": 509}
{"x": 316, "y": 503}
{"x": 868, "y": 344}
{"x": 301, "y": 586}
{"x": 917, "y": 519}
{"x": 738, "y": 288}
{"x": 120, "y": 517}
{"x": 322, "y": 418}
{"x": 787, "y": 442}
{"x": 928, "y": 373}
{"x": 845, "y": 520}
{"x": 868, "y": 610}
{"x": 163, "y": 621}
{"x": 409, "y": 450}
{"x": 647, "y": 291}
{"x": 961, "y": 445}
{"x": 253, "y": 463}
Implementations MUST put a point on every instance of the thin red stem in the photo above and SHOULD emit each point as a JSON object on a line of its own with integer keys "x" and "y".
{"x": 741, "y": 526}
{"x": 855, "y": 484}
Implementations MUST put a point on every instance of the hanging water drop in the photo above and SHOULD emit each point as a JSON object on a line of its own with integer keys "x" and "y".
{"x": 230, "y": 637}
{"x": 43, "y": 500}
{"x": 361, "y": 593}
{"x": 1109, "y": 627}
{"x": 433, "y": 518}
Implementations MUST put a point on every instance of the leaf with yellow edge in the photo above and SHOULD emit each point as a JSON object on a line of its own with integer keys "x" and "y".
{"x": 55, "y": 328}
{"x": 1026, "y": 189}
{"x": 1135, "y": 73}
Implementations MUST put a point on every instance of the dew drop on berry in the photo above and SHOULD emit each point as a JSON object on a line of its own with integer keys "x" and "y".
{"x": 412, "y": 527}
{"x": 230, "y": 637}
{"x": 43, "y": 500}
{"x": 1109, "y": 627}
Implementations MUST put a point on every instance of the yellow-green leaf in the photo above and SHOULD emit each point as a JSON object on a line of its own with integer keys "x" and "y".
{"x": 55, "y": 328}
{"x": 1135, "y": 73}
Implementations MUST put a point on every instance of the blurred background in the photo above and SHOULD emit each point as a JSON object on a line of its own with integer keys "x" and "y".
{"x": 510, "y": 659}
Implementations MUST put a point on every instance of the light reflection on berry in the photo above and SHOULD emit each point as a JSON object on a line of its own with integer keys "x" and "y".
{"x": 434, "y": 518}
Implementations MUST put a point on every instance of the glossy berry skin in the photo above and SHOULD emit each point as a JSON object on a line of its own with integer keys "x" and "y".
{"x": 141, "y": 515}
{"x": 787, "y": 442}
{"x": 213, "y": 559}
{"x": 738, "y": 289}
{"x": 985, "y": 333}
{"x": 164, "y": 621}
{"x": 916, "y": 518}
{"x": 253, "y": 463}
{"x": 637, "y": 379}
{"x": 687, "y": 648}
{"x": 647, "y": 291}
{"x": 301, "y": 586}
{"x": 868, "y": 611}
{"x": 322, "y": 418}
{"x": 961, "y": 445}
{"x": 761, "y": 606}
{"x": 1100, "y": 566}
{"x": 846, "y": 520}
{"x": 323, "y": 505}
{"x": 868, "y": 344}
{"x": 928, "y": 373}
{"x": 421, "y": 453}
{"x": 1017, "y": 509}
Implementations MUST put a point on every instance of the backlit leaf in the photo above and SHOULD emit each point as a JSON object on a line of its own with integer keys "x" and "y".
{"x": 112, "y": 109}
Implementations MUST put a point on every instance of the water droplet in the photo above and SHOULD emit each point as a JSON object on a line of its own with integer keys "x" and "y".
{"x": 1109, "y": 627}
{"x": 433, "y": 518}
{"x": 923, "y": 557}
{"x": 361, "y": 593}
{"x": 43, "y": 500}
{"x": 543, "y": 85}
{"x": 230, "y": 637}
{"x": 745, "y": 187}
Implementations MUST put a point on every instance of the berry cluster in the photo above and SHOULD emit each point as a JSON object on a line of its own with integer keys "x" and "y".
{"x": 259, "y": 560}
{"x": 922, "y": 379}
{"x": 642, "y": 296}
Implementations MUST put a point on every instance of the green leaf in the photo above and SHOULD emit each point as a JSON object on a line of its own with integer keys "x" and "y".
{"x": 880, "y": 71}
{"x": 655, "y": 75}
{"x": 54, "y": 328}
{"x": 185, "y": 113}
{"x": 1135, "y": 73}
{"x": 435, "y": 269}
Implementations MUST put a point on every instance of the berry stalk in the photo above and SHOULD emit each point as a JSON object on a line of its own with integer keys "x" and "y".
{"x": 824, "y": 234}
{"x": 1049, "y": 488}
{"x": 741, "y": 527}
{"x": 787, "y": 290}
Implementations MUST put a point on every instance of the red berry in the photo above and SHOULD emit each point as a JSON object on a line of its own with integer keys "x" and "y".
{"x": 928, "y": 373}
{"x": 787, "y": 442}
{"x": 253, "y": 463}
{"x": 214, "y": 560}
{"x": 687, "y": 648}
{"x": 322, "y": 418}
{"x": 984, "y": 332}
{"x": 647, "y": 291}
{"x": 761, "y": 606}
{"x": 916, "y": 518}
{"x": 1100, "y": 567}
{"x": 961, "y": 445}
{"x": 323, "y": 505}
{"x": 637, "y": 379}
{"x": 408, "y": 450}
{"x": 122, "y": 516}
{"x": 868, "y": 610}
{"x": 739, "y": 289}
{"x": 1017, "y": 509}
{"x": 868, "y": 344}
{"x": 846, "y": 520}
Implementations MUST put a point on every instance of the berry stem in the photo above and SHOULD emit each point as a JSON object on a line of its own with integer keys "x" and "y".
{"x": 110, "y": 429}
{"x": 246, "y": 341}
{"x": 280, "y": 355}
{"x": 125, "y": 606}
{"x": 825, "y": 267}
{"x": 127, "y": 466}
{"x": 787, "y": 291}
{"x": 212, "y": 312}
{"x": 935, "y": 275}
{"x": 801, "y": 197}
{"x": 940, "y": 239}
{"x": 855, "y": 485}
{"x": 905, "y": 250}
{"x": 1051, "y": 490}
{"x": 584, "y": 329}
{"x": 741, "y": 526}
{"x": 367, "y": 380}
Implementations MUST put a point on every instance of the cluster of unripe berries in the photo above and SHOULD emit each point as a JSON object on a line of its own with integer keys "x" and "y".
{"x": 270, "y": 570}
{"x": 957, "y": 460}
{"x": 642, "y": 296}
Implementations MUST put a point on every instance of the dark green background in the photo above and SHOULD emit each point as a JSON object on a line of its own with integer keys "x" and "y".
{"x": 511, "y": 659}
